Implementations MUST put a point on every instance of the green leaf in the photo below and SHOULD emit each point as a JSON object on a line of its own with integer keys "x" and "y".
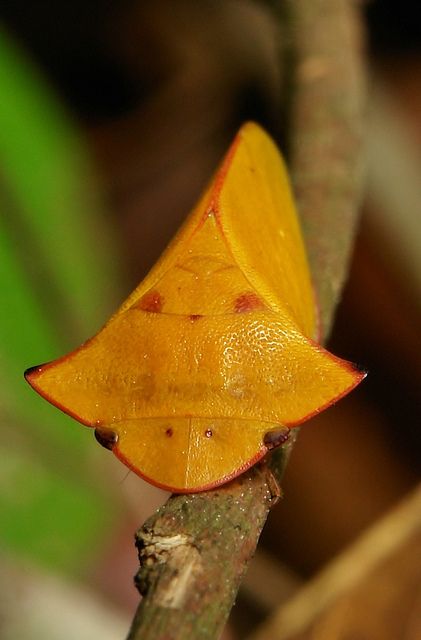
{"x": 58, "y": 283}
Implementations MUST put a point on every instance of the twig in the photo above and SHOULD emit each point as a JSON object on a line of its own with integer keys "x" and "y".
{"x": 195, "y": 550}
{"x": 193, "y": 554}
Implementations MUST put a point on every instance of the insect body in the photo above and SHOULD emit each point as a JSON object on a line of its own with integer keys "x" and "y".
{"x": 211, "y": 359}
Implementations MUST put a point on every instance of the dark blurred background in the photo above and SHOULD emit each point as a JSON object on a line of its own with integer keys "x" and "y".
{"x": 114, "y": 116}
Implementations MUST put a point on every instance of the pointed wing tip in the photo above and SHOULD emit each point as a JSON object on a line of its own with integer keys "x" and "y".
{"x": 28, "y": 373}
{"x": 250, "y": 126}
{"x": 359, "y": 370}
{"x": 252, "y": 130}
{"x": 358, "y": 374}
{"x": 31, "y": 374}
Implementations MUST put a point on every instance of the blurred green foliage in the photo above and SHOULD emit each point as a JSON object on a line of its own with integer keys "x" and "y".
{"x": 58, "y": 284}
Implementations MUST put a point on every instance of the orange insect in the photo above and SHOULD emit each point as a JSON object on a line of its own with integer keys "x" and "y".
{"x": 211, "y": 360}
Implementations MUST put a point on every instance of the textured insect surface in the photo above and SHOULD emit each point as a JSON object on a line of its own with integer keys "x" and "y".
{"x": 211, "y": 359}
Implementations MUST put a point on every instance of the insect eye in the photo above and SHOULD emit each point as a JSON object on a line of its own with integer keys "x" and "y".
{"x": 106, "y": 437}
{"x": 275, "y": 437}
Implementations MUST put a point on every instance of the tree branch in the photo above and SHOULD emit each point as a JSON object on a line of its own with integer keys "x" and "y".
{"x": 195, "y": 550}
{"x": 327, "y": 116}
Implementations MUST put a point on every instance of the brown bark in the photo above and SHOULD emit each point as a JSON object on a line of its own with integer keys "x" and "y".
{"x": 327, "y": 118}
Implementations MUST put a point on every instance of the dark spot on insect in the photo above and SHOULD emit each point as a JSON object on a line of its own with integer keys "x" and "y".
{"x": 208, "y": 433}
{"x": 169, "y": 432}
{"x": 359, "y": 368}
{"x": 106, "y": 437}
{"x": 276, "y": 437}
{"x": 152, "y": 301}
{"x": 28, "y": 373}
{"x": 248, "y": 302}
{"x": 195, "y": 316}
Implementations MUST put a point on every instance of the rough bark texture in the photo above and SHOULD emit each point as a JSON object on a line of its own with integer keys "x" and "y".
{"x": 195, "y": 550}
{"x": 193, "y": 554}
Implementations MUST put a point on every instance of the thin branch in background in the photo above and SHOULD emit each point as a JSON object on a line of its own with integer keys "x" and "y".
{"x": 195, "y": 550}
{"x": 327, "y": 124}
{"x": 397, "y": 536}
